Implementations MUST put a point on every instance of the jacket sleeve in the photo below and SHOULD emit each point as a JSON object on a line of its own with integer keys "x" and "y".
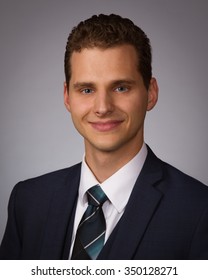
{"x": 10, "y": 248}
{"x": 199, "y": 244}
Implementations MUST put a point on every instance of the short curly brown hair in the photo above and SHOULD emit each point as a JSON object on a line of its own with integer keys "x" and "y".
{"x": 105, "y": 31}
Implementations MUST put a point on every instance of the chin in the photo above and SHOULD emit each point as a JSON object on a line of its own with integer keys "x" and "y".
{"x": 107, "y": 147}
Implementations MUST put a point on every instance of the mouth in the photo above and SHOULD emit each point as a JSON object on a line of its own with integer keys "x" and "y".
{"x": 105, "y": 126}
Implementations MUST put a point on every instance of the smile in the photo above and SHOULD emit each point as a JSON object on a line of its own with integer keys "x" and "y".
{"x": 105, "y": 126}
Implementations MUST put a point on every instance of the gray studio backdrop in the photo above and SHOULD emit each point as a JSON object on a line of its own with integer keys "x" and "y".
{"x": 36, "y": 133}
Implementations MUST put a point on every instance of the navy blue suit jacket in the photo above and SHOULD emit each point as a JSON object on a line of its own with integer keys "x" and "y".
{"x": 166, "y": 217}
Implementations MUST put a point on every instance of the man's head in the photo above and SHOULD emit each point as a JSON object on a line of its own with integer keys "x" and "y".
{"x": 106, "y": 31}
{"x": 109, "y": 85}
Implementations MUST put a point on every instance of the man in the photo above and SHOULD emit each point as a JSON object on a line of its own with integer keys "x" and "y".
{"x": 121, "y": 202}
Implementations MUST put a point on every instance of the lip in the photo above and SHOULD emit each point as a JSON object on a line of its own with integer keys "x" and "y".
{"x": 105, "y": 126}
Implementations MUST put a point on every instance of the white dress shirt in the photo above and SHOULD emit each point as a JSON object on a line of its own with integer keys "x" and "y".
{"x": 118, "y": 188}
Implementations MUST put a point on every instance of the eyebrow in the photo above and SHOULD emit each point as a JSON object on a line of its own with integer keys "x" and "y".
{"x": 112, "y": 83}
{"x": 123, "y": 82}
{"x": 83, "y": 84}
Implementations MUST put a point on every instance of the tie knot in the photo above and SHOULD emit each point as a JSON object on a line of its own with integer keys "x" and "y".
{"x": 96, "y": 196}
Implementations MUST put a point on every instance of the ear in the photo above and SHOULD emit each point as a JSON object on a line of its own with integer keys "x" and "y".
{"x": 152, "y": 94}
{"x": 66, "y": 97}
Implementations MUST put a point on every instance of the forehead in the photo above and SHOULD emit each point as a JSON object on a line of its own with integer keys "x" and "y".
{"x": 104, "y": 62}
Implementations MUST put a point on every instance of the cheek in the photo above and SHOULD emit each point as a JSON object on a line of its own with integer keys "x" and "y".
{"x": 136, "y": 108}
{"x": 79, "y": 110}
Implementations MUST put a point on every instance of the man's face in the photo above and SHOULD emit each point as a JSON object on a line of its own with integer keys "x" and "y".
{"x": 107, "y": 98}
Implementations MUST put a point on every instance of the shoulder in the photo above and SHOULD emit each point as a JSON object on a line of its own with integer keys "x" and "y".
{"x": 184, "y": 185}
{"x": 179, "y": 178}
{"x": 46, "y": 184}
{"x": 177, "y": 181}
{"x": 57, "y": 175}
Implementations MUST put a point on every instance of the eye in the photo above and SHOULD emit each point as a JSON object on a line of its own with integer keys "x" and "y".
{"x": 121, "y": 89}
{"x": 87, "y": 91}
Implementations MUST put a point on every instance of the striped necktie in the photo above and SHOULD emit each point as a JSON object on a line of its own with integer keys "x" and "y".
{"x": 91, "y": 230}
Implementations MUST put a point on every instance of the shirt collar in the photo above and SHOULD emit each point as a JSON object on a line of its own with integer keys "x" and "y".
{"x": 124, "y": 179}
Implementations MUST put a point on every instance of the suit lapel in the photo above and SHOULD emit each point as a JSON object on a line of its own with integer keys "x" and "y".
{"x": 145, "y": 197}
{"x": 58, "y": 229}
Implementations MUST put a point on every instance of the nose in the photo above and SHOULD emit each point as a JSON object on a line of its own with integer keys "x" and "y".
{"x": 103, "y": 104}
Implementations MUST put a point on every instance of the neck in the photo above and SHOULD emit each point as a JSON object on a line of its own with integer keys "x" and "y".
{"x": 105, "y": 164}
